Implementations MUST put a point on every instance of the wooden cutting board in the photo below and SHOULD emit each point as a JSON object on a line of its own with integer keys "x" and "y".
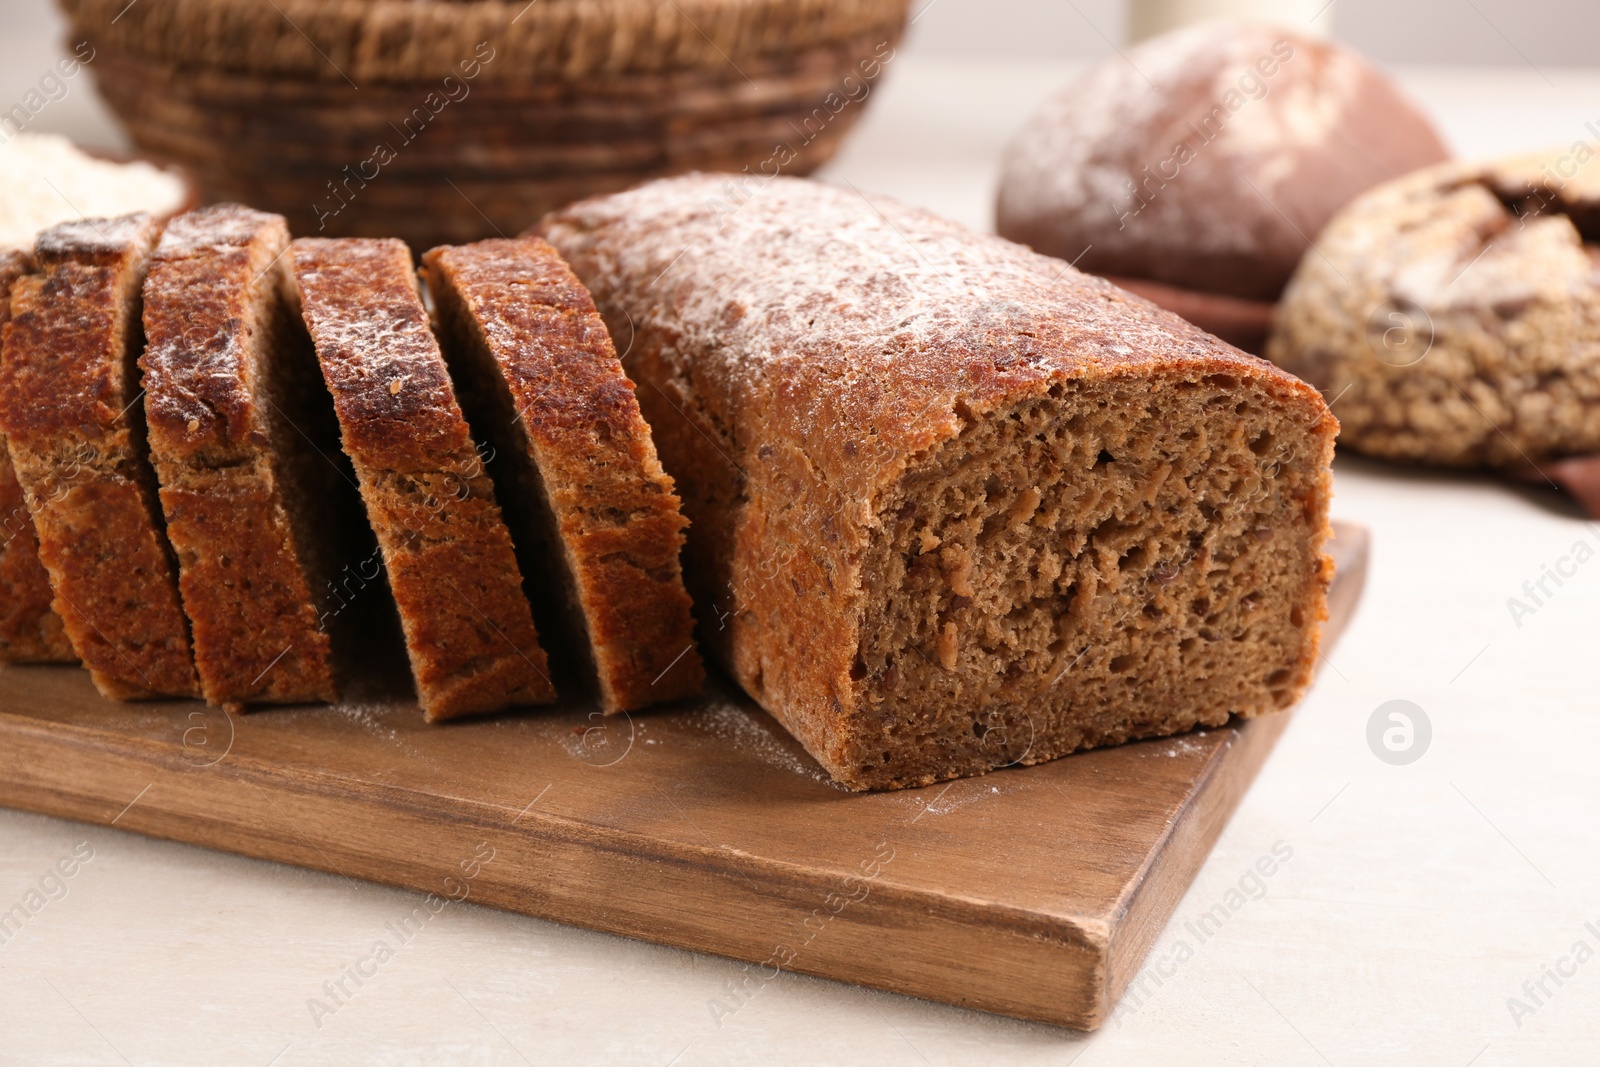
{"x": 1032, "y": 892}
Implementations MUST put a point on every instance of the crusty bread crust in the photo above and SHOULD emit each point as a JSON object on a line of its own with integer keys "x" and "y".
{"x": 574, "y": 451}
{"x": 214, "y": 358}
{"x": 30, "y": 630}
{"x": 469, "y": 629}
{"x": 71, "y": 410}
{"x": 825, "y": 374}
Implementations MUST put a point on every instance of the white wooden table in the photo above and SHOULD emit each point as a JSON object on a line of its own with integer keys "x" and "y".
{"x": 1417, "y": 899}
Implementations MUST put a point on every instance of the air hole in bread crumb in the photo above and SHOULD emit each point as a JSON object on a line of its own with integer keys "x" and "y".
{"x": 1120, "y": 664}
{"x": 946, "y": 646}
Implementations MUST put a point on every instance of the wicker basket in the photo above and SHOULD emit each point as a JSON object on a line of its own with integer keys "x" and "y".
{"x": 451, "y": 120}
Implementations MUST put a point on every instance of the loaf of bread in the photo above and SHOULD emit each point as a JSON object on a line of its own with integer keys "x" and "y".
{"x": 594, "y": 515}
{"x": 244, "y": 444}
{"x": 954, "y": 505}
{"x": 468, "y": 627}
{"x": 1207, "y": 159}
{"x": 70, "y": 407}
{"x": 1455, "y": 314}
{"x": 30, "y": 630}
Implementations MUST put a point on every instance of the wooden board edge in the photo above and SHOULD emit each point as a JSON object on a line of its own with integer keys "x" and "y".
{"x": 1009, "y": 961}
{"x": 1176, "y": 862}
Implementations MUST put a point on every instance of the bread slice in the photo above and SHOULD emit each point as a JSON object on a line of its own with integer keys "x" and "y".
{"x": 243, "y": 441}
{"x": 583, "y": 490}
{"x": 469, "y": 630}
{"x": 955, "y": 505}
{"x": 70, "y": 407}
{"x": 30, "y": 630}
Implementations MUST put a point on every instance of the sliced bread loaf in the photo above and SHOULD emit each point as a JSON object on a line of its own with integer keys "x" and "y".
{"x": 30, "y": 630}
{"x": 70, "y": 407}
{"x": 244, "y": 444}
{"x": 594, "y": 515}
{"x": 957, "y": 506}
{"x": 469, "y": 630}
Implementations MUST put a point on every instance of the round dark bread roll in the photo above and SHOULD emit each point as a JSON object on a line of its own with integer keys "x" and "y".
{"x": 1209, "y": 158}
{"x": 1455, "y": 316}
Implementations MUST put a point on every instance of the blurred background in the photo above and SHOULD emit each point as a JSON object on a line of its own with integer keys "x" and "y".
{"x": 1530, "y": 35}
{"x": 1482, "y": 32}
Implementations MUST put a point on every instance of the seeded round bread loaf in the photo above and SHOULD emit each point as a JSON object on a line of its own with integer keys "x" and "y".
{"x": 243, "y": 442}
{"x": 1208, "y": 158}
{"x": 592, "y": 511}
{"x": 1455, "y": 313}
{"x": 469, "y": 630}
{"x": 70, "y": 407}
{"x": 30, "y": 630}
{"x": 953, "y": 505}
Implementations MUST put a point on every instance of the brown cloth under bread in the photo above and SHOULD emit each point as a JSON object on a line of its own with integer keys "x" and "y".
{"x": 1578, "y": 476}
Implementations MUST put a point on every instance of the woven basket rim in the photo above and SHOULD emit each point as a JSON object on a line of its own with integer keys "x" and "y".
{"x": 405, "y": 40}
